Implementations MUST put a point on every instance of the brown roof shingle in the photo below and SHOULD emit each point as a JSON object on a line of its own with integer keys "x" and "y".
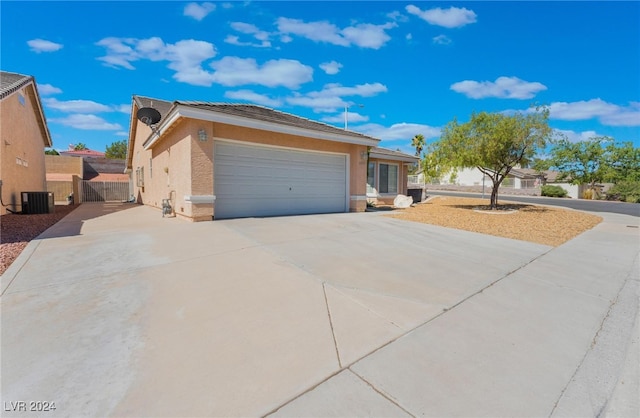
{"x": 249, "y": 111}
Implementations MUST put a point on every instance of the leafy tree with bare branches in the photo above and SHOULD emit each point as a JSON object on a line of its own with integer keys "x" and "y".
{"x": 494, "y": 143}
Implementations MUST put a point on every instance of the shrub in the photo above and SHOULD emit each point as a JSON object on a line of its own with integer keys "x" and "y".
{"x": 553, "y": 191}
{"x": 626, "y": 191}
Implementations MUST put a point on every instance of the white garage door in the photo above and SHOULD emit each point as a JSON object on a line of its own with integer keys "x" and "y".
{"x": 254, "y": 180}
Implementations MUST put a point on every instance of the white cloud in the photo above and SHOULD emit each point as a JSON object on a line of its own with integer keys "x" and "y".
{"x": 364, "y": 35}
{"x": 76, "y": 106}
{"x": 315, "y": 31}
{"x": 87, "y": 122}
{"x": 252, "y": 30}
{"x": 47, "y": 89}
{"x": 42, "y": 45}
{"x": 331, "y": 67}
{"x": 122, "y": 133}
{"x": 453, "y": 17}
{"x": 119, "y": 54}
{"x": 442, "y": 40}
{"x": 352, "y": 118}
{"x": 629, "y": 116}
{"x": 329, "y": 99}
{"x": 199, "y": 11}
{"x": 409, "y": 37}
{"x": 503, "y": 87}
{"x": 123, "y": 108}
{"x": 398, "y": 131}
{"x": 83, "y": 106}
{"x": 253, "y": 97}
{"x": 235, "y": 40}
{"x": 573, "y": 136}
{"x": 607, "y": 113}
{"x": 317, "y": 103}
{"x": 185, "y": 57}
{"x": 234, "y": 71}
{"x": 397, "y": 16}
{"x": 363, "y": 90}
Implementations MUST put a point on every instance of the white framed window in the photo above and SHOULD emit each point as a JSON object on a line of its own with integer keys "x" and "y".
{"x": 388, "y": 178}
{"x": 371, "y": 177}
{"x": 140, "y": 177}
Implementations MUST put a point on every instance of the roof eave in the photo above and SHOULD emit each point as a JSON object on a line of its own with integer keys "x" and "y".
{"x": 180, "y": 111}
{"x": 48, "y": 142}
{"x": 406, "y": 159}
{"x": 133, "y": 126}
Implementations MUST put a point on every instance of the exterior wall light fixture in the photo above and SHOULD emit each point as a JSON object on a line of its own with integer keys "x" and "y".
{"x": 202, "y": 135}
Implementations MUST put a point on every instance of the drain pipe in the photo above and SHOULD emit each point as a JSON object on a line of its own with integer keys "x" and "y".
{"x": 2, "y": 203}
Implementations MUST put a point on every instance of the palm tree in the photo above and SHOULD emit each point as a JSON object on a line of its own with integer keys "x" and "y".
{"x": 418, "y": 143}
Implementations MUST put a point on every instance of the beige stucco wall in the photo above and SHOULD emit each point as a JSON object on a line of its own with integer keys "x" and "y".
{"x": 190, "y": 164}
{"x": 22, "y": 144}
{"x": 403, "y": 172}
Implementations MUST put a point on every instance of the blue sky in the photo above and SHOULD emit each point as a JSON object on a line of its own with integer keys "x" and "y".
{"x": 401, "y": 68}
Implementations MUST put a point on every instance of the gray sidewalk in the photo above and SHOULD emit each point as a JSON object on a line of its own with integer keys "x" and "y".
{"x": 116, "y": 311}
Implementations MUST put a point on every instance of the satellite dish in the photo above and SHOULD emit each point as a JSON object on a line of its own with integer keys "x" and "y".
{"x": 148, "y": 115}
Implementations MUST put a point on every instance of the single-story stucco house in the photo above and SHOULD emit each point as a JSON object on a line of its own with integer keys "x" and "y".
{"x": 222, "y": 160}
{"x": 25, "y": 136}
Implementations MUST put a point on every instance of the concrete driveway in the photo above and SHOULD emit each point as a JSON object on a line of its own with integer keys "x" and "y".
{"x": 116, "y": 311}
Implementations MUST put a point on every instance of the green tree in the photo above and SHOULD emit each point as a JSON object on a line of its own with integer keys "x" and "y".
{"x": 625, "y": 162}
{"x": 494, "y": 143}
{"x": 79, "y": 146}
{"x": 117, "y": 150}
{"x": 596, "y": 160}
{"x": 418, "y": 143}
{"x": 51, "y": 152}
{"x": 433, "y": 168}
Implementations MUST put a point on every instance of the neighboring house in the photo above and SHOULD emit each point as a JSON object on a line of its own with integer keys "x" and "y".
{"x": 220, "y": 160}
{"x": 574, "y": 191}
{"x": 518, "y": 178}
{"x": 72, "y": 152}
{"x": 25, "y": 135}
{"x": 387, "y": 174}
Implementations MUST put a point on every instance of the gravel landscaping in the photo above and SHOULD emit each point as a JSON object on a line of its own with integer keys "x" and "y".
{"x": 17, "y": 230}
{"x": 540, "y": 224}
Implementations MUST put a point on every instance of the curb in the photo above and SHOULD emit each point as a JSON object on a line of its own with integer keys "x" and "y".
{"x": 10, "y": 274}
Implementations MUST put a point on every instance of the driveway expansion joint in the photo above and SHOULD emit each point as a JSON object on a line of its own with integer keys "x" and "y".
{"x": 381, "y": 393}
{"x": 333, "y": 333}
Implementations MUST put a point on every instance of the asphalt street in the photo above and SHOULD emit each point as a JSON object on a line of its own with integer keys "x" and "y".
{"x": 578, "y": 204}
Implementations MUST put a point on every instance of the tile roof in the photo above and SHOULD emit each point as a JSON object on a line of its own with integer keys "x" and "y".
{"x": 83, "y": 153}
{"x": 161, "y": 106}
{"x": 249, "y": 111}
{"x": 10, "y": 82}
{"x": 396, "y": 155}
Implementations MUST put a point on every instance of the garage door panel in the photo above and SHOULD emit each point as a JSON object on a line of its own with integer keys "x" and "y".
{"x": 253, "y": 180}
